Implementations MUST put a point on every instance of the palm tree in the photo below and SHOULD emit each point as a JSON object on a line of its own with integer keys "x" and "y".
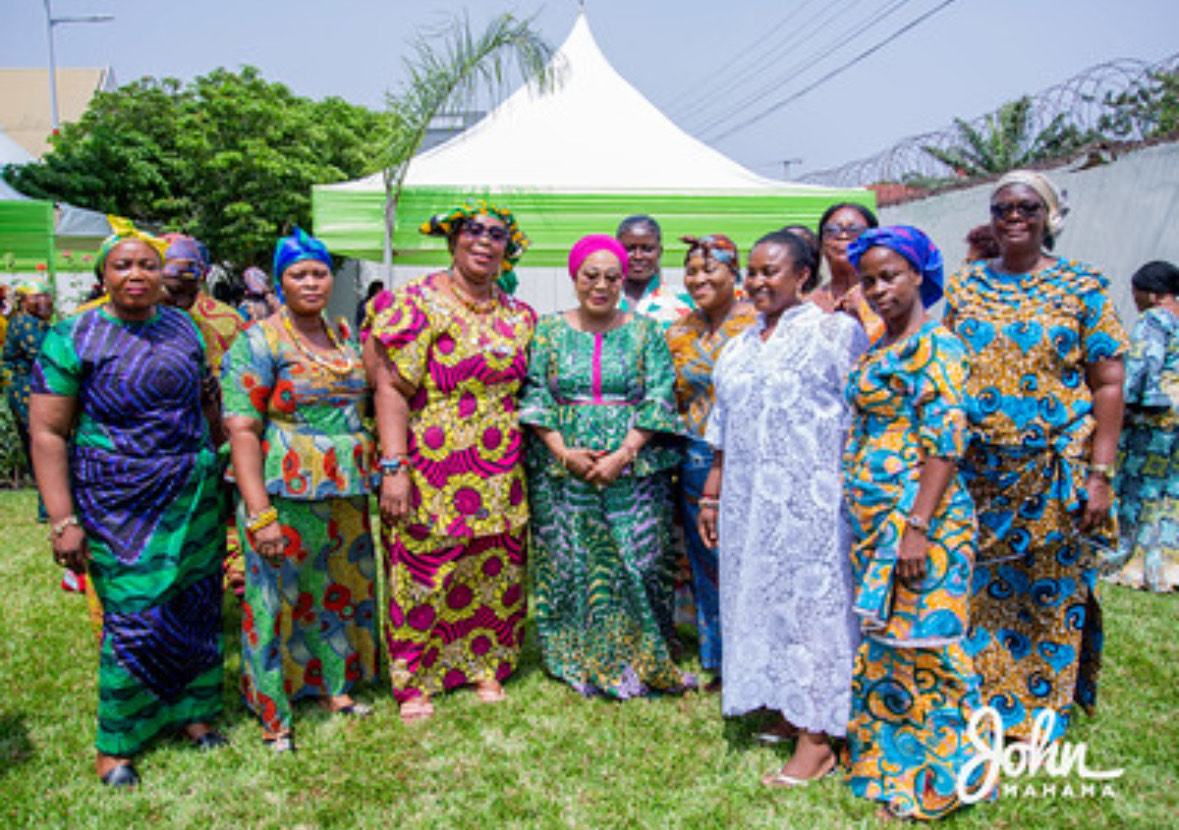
{"x": 1006, "y": 140}
{"x": 450, "y": 67}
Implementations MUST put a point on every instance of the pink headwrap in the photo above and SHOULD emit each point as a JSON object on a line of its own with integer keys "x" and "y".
{"x": 591, "y": 244}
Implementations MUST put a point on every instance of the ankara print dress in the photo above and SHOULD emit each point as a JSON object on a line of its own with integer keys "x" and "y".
{"x": 1036, "y": 632}
{"x": 1147, "y": 481}
{"x": 144, "y": 480}
{"x": 455, "y": 567}
{"x": 601, "y": 569}
{"x": 308, "y": 625}
{"x": 914, "y": 687}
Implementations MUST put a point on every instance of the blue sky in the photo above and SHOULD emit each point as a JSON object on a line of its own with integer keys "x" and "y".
{"x": 691, "y": 57}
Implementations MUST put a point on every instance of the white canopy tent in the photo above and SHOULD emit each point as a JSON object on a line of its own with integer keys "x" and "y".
{"x": 572, "y": 161}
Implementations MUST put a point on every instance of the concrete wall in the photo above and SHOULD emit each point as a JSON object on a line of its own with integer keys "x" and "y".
{"x": 1123, "y": 214}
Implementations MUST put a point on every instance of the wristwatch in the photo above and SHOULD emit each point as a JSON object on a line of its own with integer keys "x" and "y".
{"x": 917, "y": 523}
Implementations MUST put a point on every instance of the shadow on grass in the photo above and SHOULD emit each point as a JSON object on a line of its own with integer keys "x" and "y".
{"x": 15, "y": 746}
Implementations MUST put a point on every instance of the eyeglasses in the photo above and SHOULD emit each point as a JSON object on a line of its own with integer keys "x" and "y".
{"x": 853, "y": 231}
{"x": 496, "y": 233}
{"x": 1027, "y": 210}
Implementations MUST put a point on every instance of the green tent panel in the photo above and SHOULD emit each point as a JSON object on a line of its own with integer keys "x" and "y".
{"x": 26, "y": 236}
{"x": 350, "y": 221}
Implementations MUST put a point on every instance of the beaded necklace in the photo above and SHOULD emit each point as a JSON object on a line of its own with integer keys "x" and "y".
{"x": 473, "y": 305}
{"x": 335, "y": 368}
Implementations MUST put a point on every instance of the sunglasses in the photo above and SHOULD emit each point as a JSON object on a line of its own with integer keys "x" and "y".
{"x": 496, "y": 233}
{"x": 853, "y": 231}
{"x": 1027, "y": 209}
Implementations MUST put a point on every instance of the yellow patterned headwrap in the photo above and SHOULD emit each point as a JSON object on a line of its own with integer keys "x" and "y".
{"x": 125, "y": 229}
{"x": 445, "y": 224}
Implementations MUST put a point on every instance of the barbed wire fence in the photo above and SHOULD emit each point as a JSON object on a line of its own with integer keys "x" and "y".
{"x": 1086, "y": 101}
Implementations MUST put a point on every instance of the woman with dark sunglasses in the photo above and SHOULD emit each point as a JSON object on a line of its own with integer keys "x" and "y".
{"x": 447, "y": 358}
{"x": 840, "y": 226}
{"x": 1045, "y": 399}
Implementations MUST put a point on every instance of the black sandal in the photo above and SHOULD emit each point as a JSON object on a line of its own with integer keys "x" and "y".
{"x": 124, "y": 775}
{"x": 209, "y": 741}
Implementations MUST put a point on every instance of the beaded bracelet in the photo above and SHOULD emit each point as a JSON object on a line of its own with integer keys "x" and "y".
{"x": 393, "y": 466}
{"x": 56, "y": 530}
{"x": 263, "y": 519}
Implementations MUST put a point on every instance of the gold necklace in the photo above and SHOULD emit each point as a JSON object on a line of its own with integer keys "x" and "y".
{"x": 476, "y": 306}
{"x": 349, "y": 364}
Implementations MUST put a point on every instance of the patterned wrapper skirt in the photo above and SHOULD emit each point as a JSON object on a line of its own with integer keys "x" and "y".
{"x": 456, "y": 609}
{"x": 600, "y": 571}
{"x": 161, "y": 657}
{"x": 1148, "y": 506}
{"x": 907, "y": 740}
{"x": 309, "y": 625}
{"x": 1036, "y": 628}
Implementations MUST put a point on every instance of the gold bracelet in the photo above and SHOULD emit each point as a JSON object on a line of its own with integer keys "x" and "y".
{"x": 563, "y": 457}
{"x": 1106, "y": 471}
{"x": 264, "y": 518}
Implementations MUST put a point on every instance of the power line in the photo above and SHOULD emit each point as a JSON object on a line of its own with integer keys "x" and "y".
{"x": 718, "y": 75}
{"x": 802, "y": 66}
{"x": 834, "y": 72}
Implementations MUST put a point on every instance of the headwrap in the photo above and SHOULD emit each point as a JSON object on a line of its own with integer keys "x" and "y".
{"x": 30, "y": 287}
{"x": 447, "y": 224}
{"x": 717, "y": 246}
{"x": 185, "y": 247}
{"x": 589, "y": 245}
{"x": 1051, "y": 197}
{"x": 297, "y": 247}
{"x": 1155, "y": 277}
{"x": 914, "y": 246}
{"x": 125, "y": 229}
{"x": 257, "y": 283}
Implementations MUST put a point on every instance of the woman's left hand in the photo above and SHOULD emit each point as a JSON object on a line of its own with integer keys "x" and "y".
{"x": 1099, "y": 502}
{"x": 608, "y": 468}
{"x": 912, "y": 558}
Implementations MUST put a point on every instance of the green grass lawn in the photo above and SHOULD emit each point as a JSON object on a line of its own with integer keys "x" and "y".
{"x": 544, "y": 758}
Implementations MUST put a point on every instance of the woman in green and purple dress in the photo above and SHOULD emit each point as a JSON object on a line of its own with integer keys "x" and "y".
{"x": 599, "y": 397}
{"x": 120, "y": 412}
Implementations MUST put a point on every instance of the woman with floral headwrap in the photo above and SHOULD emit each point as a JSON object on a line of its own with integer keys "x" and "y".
{"x": 304, "y": 463}
{"x": 600, "y": 401}
{"x": 447, "y": 358}
{"x": 1045, "y": 394}
{"x": 128, "y": 472}
{"x": 260, "y": 300}
{"x": 712, "y": 270}
{"x": 914, "y": 688}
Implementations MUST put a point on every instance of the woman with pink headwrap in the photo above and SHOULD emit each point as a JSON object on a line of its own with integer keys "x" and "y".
{"x": 600, "y": 402}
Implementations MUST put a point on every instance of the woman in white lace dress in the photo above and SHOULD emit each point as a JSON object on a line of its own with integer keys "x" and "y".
{"x": 773, "y": 502}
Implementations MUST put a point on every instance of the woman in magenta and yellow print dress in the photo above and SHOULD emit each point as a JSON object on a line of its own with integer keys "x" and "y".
{"x": 1045, "y": 401}
{"x": 448, "y": 358}
{"x": 914, "y": 687}
{"x": 304, "y": 465}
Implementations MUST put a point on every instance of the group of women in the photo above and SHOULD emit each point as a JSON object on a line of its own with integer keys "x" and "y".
{"x": 891, "y": 521}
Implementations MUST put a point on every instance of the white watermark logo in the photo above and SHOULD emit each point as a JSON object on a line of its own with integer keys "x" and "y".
{"x": 1057, "y": 758}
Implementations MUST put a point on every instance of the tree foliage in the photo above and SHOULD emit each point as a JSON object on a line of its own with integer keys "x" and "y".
{"x": 1149, "y": 109}
{"x": 229, "y": 158}
{"x": 1008, "y": 140}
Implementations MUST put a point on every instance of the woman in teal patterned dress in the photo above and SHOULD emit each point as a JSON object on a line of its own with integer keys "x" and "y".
{"x": 1045, "y": 401}
{"x": 1148, "y": 475}
{"x": 914, "y": 688}
{"x": 599, "y": 396}
{"x": 26, "y": 331}
{"x": 304, "y": 465}
{"x": 128, "y": 473}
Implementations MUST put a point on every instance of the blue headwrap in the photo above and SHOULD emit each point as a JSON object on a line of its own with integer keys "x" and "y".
{"x": 297, "y": 247}
{"x": 914, "y": 246}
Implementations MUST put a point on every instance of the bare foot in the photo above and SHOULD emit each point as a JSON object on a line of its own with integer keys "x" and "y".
{"x": 416, "y": 708}
{"x": 489, "y": 691}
